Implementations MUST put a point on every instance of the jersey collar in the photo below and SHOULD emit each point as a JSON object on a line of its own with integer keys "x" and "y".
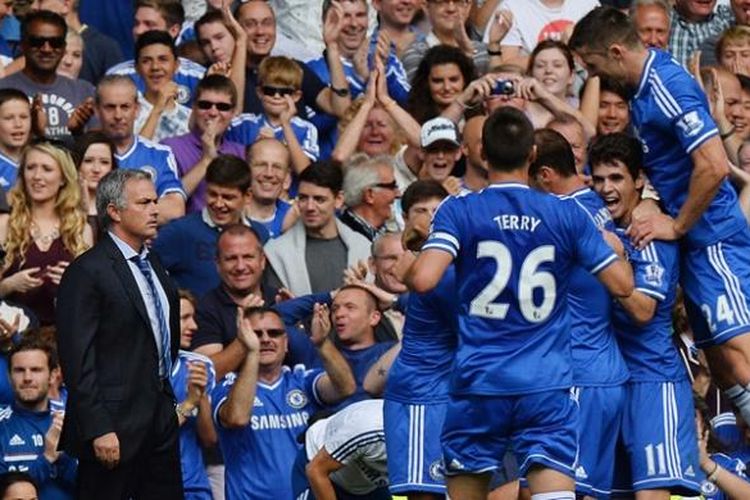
{"x": 503, "y": 185}
{"x": 645, "y": 72}
{"x": 130, "y": 149}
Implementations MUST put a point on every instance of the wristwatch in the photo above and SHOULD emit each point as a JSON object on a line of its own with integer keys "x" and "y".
{"x": 339, "y": 92}
{"x": 181, "y": 411}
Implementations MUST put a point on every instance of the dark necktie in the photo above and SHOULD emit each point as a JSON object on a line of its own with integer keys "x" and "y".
{"x": 145, "y": 268}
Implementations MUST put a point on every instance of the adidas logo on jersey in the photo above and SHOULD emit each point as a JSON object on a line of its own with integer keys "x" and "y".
{"x": 257, "y": 403}
{"x": 581, "y": 473}
{"x": 689, "y": 471}
{"x": 17, "y": 441}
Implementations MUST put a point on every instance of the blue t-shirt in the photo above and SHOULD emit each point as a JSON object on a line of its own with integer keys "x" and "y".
{"x": 360, "y": 361}
{"x": 157, "y": 160}
{"x": 8, "y": 172}
{"x": 648, "y": 350}
{"x": 6, "y": 391}
{"x": 194, "y": 478}
{"x": 514, "y": 250}
{"x": 188, "y": 74}
{"x": 597, "y": 360}
{"x": 259, "y": 456}
{"x": 421, "y": 372}
{"x": 732, "y": 464}
{"x": 275, "y": 225}
{"x": 671, "y": 117}
{"x": 22, "y": 449}
{"x": 246, "y": 128}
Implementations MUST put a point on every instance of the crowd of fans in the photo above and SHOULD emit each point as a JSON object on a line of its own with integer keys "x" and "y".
{"x": 295, "y": 148}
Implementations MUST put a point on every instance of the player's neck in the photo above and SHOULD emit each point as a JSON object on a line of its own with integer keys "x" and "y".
{"x": 122, "y": 145}
{"x": 571, "y": 185}
{"x": 475, "y": 177}
{"x": 11, "y": 152}
{"x": 635, "y": 66}
{"x": 520, "y": 175}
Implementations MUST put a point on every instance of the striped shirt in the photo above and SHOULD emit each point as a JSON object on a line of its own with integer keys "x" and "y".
{"x": 685, "y": 36}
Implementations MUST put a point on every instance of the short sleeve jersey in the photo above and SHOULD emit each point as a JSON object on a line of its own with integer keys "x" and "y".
{"x": 648, "y": 350}
{"x": 671, "y": 117}
{"x": 514, "y": 250}
{"x": 259, "y": 456}
{"x": 157, "y": 160}
{"x": 597, "y": 360}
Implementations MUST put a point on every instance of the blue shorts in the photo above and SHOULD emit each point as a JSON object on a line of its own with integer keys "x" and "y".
{"x": 412, "y": 442}
{"x": 659, "y": 439}
{"x": 541, "y": 428}
{"x": 600, "y": 418}
{"x": 716, "y": 281}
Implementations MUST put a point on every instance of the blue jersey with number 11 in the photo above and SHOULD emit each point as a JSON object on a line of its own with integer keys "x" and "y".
{"x": 514, "y": 251}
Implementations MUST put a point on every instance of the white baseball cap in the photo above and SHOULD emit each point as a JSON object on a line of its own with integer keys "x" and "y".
{"x": 439, "y": 129}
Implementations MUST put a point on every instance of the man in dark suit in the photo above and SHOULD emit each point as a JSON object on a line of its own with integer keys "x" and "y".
{"x": 118, "y": 331}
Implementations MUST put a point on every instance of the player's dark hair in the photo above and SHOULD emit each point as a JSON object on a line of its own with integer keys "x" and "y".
{"x": 370, "y": 296}
{"x": 552, "y": 151}
{"x": 602, "y": 27}
{"x": 154, "y": 37}
{"x": 211, "y": 16}
{"x": 422, "y": 190}
{"x": 237, "y": 229}
{"x": 11, "y": 94}
{"x": 10, "y": 478}
{"x": 323, "y": 174}
{"x": 229, "y": 171}
{"x": 618, "y": 146}
{"x": 42, "y": 16}
{"x": 171, "y": 10}
{"x": 33, "y": 340}
{"x": 217, "y": 83}
{"x": 507, "y": 139}
{"x": 614, "y": 86}
{"x": 249, "y": 312}
{"x": 83, "y": 143}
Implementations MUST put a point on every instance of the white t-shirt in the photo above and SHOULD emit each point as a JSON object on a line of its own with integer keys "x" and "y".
{"x": 354, "y": 437}
{"x": 534, "y": 22}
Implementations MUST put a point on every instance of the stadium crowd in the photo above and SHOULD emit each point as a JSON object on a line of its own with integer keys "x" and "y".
{"x": 373, "y": 249}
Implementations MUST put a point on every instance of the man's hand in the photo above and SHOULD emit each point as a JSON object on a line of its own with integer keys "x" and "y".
{"x": 477, "y": 91}
{"x": 234, "y": 27}
{"x": 652, "y": 227}
{"x": 291, "y": 110}
{"x": 80, "y": 116}
{"x": 321, "y": 324}
{"x": 332, "y": 25}
{"x": 359, "y": 59}
{"x": 500, "y": 25}
{"x": 7, "y": 330}
{"x": 167, "y": 95}
{"x": 614, "y": 242}
{"x": 107, "y": 450}
{"x": 38, "y": 117}
{"x": 403, "y": 264}
{"x": 208, "y": 140}
{"x": 416, "y": 232}
{"x": 252, "y": 300}
{"x": 357, "y": 272}
{"x": 246, "y": 334}
{"x": 383, "y": 47}
{"x": 52, "y": 438}
{"x": 197, "y": 382}
{"x": 219, "y": 68}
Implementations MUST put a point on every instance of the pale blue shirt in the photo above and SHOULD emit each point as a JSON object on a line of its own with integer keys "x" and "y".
{"x": 145, "y": 290}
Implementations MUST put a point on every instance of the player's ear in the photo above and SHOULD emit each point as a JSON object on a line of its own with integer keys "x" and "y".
{"x": 640, "y": 181}
{"x": 615, "y": 51}
{"x": 532, "y": 155}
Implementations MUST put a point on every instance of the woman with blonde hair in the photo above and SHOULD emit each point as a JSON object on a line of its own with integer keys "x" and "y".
{"x": 45, "y": 230}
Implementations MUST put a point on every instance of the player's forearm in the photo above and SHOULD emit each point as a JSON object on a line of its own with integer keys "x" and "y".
{"x": 710, "y": 169}
{"x": 727, "y": 482}
{"x": 237, "y": 73}
{"x": 171, "y": 206}
{"x": 205, "y": 425}
{"x": 639, "y": 306}
{"x": 561, "y": 109}
{"x": 349, "y": 138}
{"x": 377, "y": 376}
{"x": 237, "y": 410}
{"x": 339, "y": 372}
{"x": 195, "y": 176}
{"x": 300, "y": 160}
{"x": 320, "y": 484}
{"x": 590, "y": 99}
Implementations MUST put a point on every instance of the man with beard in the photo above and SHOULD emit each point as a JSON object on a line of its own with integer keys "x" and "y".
{"x": 29, "y": 430}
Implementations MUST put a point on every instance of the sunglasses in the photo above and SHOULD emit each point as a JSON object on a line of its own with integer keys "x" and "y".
{"x": 387, "y": 185}
{"x": 37, "y": 42}
{"x": 221, "y": 106}
{"x": 272, "y": 333}
{"x": 270, "y": 91}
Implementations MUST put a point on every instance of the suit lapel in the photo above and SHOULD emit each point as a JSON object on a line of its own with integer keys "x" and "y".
{"x": 122, "y": 270}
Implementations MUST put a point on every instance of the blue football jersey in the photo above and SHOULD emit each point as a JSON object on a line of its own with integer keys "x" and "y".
{"x": 259, "y": 457}
{"x": 157, "y": 160}
{"x": 194, "y": 478}
{"x": 514, "y": 250}
{"x": 246, "y": 128}
{"x": 421, "y": 372}
{"x": 188, "y": 74}
{"x": 8, "y": 171}
{"x": 671, "y": 118}
{"x": 648, "y": 350}
{"x": 597, "y": 360}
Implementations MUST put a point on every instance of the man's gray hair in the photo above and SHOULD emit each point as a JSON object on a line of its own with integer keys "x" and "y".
{"x": 361, "y": 172}
{"x": 109, "y": 80}
{"x": 111, "y": 191}
{"x": 663, "y": 4}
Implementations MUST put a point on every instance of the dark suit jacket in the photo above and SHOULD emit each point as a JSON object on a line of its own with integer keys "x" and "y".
{"x": 108, "y": 352}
